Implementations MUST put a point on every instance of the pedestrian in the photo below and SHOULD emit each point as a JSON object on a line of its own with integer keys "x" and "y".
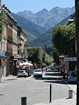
{"x": 35, "y": 66}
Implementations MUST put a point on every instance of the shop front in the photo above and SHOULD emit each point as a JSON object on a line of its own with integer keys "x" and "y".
{"x": 2, "y": 63}
{"x": 6, "y": 63}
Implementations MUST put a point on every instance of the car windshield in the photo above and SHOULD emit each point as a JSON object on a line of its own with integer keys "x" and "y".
{"x": 74, "y": 74}
{"x": 38, "y": 70}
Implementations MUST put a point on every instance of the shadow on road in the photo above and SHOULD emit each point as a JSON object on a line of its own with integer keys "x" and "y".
{"x": 54, "y": 80}
{"x": 54, "y": 74}
{"x": 9, "y": 79}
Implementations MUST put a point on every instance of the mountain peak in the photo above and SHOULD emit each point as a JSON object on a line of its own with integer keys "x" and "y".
{"x": 25, "y": 12}
{"x": 56, "y": 9}
{"x": 43, "y": 11}
{"x": 48, "y": 19}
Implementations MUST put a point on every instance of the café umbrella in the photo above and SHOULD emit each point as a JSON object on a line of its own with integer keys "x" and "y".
{"x": 26, "y": 64}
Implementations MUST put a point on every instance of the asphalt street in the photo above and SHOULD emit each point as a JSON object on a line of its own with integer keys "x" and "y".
{"x": 35, "y": 89}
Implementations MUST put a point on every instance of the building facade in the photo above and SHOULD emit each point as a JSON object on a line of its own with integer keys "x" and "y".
{"x": 12, "y": 34}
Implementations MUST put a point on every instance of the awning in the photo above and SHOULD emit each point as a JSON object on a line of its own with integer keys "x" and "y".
{"x": 2, "y": 54}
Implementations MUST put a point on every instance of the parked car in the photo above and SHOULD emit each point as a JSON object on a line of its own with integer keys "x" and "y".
{"x": 72, "y": 78}
{"x": 22, "y": 73}
{"x": 37, "y": 72}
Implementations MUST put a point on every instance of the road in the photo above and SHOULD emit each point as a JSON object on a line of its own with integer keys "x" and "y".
{"x": 36, "y": 90}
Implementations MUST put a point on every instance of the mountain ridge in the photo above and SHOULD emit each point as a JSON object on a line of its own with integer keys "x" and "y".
{"x": 45, "y": 18}
{"x": 41, "y": 36}
{"x": 28, "y": 25}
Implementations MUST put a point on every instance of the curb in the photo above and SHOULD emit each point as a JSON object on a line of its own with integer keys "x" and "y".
{"x": 8, "y": 78}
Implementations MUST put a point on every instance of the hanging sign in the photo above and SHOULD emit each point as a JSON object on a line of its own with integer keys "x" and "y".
{"x": 70, "y": 59}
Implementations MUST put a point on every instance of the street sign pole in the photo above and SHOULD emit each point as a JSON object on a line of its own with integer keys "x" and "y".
{"x": 77, "y": 42}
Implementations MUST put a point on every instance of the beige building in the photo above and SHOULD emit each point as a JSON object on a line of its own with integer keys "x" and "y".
{"x": 12, "y": 43}
{"x": 15, "y": 40}
{"x": 23, "y": 41}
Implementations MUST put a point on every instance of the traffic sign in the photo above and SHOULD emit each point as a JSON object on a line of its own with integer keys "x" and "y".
{"x": 70, "y": 59}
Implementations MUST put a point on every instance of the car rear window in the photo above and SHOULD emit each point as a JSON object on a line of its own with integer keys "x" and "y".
{"x": 21, "y": 71}
{"x": 38, "y": 70}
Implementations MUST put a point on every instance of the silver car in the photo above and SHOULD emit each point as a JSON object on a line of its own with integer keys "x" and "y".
{"x": 22, "y": 73}
{"x": 37, "y": 73}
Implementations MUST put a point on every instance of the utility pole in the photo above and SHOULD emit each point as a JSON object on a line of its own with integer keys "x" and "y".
{"x": 77, "y": 42}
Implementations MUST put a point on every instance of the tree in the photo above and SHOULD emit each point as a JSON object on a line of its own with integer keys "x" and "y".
{"x": 39, "y": 56}
{"x": 63, "y": 38}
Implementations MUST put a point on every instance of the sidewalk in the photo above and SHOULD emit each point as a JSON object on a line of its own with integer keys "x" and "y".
{"x": 8, "y": 78}
{"x": 60, "y": 102}
{"x": 64, "y": 101}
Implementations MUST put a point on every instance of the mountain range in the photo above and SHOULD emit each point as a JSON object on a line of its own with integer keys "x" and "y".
{"x": 38, "y": 25}
{"x": 31, "y": 29}
{"x": 45, "y": 18}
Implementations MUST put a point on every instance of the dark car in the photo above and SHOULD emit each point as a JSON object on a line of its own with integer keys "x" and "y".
{"x": 72, "y": 78}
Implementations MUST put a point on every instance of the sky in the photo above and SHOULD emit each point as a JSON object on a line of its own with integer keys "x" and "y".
{"x": 36, "y": 5}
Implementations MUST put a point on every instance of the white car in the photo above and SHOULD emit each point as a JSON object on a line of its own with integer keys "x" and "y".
{"x": 37, "y": 73}
{"x": 22, "y": 73}
{"x": 72, "y": 78}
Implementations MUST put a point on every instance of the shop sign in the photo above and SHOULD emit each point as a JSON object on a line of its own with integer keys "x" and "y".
{"x": 70, "y": 59}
